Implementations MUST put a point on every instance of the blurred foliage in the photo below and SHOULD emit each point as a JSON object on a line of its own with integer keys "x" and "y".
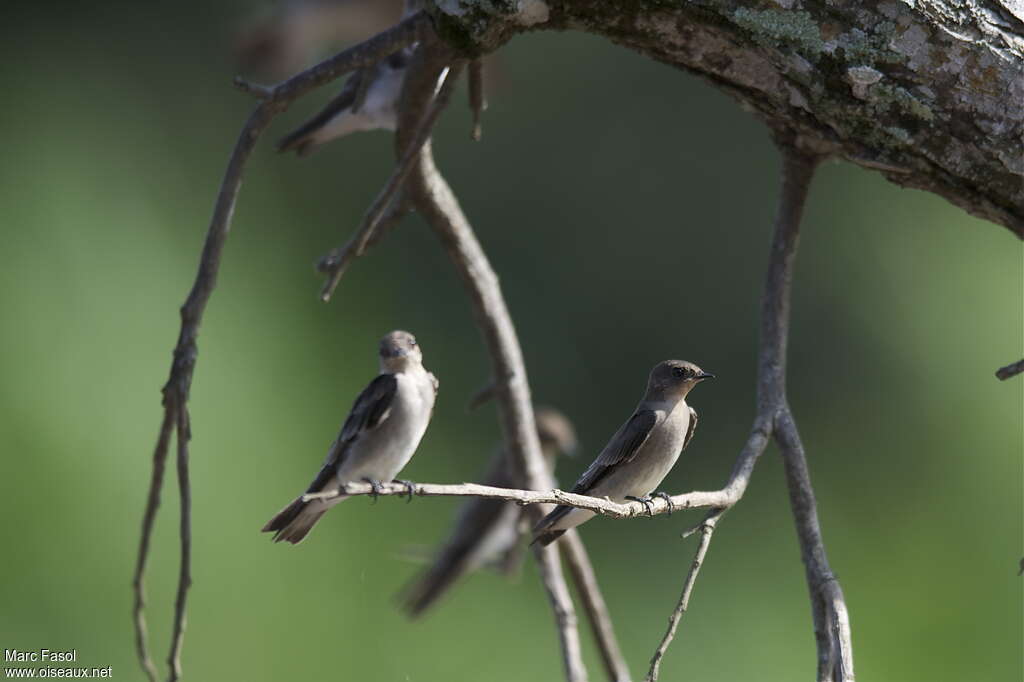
{"x": 627, "y": 208}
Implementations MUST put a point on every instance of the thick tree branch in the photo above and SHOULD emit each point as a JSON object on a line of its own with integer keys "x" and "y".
{"x": 926, "y": 92}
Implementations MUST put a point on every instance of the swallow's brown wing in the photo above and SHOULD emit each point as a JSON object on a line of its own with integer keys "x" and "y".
{"x": 297, "y": 138}
{"x": 370, "y": 409}
{"x": 622, "y": 448}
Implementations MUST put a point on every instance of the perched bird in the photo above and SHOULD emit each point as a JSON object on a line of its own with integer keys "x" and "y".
{"x": 488, "y": 531}
{"x": 379, "y": 436}
{"x": 641, "y": 453}
{"x": 378, "y": 87}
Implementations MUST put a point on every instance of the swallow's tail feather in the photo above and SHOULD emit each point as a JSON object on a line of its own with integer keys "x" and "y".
{"x": 546, "y": 537}
{"x": 424, "y": 591}
{"x": 544, "y": 533}
{"x": 294, "y": 522}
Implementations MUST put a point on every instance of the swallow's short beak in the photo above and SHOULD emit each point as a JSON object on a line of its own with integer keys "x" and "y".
{"x": 705, "y": 375}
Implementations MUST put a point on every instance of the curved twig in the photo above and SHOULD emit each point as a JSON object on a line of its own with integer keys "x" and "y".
{"x": 1011, "y": 370}
{"x": 707, "y": 527}
{"x": 176, "y": 390}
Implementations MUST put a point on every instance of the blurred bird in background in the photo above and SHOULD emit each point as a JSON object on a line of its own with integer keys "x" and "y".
{"x": 294, "y": 34}
{"x": 285, "y": 37}
{"x": 367, "y": 101}
{"x": 488, "y": 532}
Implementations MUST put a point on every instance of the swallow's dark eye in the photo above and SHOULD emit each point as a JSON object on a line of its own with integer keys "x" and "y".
{"x": 412, "y": 342}
{"x": 678, "y": 372}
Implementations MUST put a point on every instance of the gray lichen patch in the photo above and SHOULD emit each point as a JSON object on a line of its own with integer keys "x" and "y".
{"x": 884, "y": 94}
{"x": 773, "y": 26}
{"x": 861, "y": 78}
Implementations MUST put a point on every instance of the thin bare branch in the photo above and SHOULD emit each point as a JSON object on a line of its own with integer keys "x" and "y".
{"x": 484, "y": 395}
{"x": 176, "y": 390}
{"x": 1012, "y": 370}
{"x": 364, "y": 234}
{"x": 707, "y": 528}
{"x": 434, "y": 200}
{"x": 694, "y": 500}
{"x": 828, "y": 607}
{"x": 600, "y": 619}
{"x": 340, "y": 258}
{"x": 477, "y": 102}
{"x": 152, "y": 504}
{"x": 551, "y": 575}
{"x": 183, "y": 435}
{"x": 256, "y": 90}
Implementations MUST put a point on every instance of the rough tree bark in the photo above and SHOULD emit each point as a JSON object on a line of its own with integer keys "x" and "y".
{"x": 928, "y": 92}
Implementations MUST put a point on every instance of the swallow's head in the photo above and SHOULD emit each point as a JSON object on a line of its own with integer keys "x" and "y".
{"x": 557, "y": 436}
{"x": 675, "y": 378}
{"x": 398, "y": 350}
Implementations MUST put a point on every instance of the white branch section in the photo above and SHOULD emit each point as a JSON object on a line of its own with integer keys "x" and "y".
{"x": 603, "y": 506}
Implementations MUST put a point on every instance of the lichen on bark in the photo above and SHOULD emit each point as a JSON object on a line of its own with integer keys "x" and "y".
{"x": 927, "y": 92}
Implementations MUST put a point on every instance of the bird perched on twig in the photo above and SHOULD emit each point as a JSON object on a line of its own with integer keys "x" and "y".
{"x": 488, "y": 531}
{"x": 378, "y": 438}
{"x": 641, "y": 453}
{"x": 368, "y": 101}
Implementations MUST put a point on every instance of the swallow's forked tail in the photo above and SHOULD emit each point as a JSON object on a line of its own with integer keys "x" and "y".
{"x": 543, "y": 533}
{"x": 294, "y": 522}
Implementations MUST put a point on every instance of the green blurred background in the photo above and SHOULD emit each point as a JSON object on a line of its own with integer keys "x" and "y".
{"x": 627, "y": 208}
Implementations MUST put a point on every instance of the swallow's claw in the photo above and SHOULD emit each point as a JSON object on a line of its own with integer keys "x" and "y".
{"x": 668, "y": 500}
{"x": 374, "y": 488}
{"x": 647, "y": 502}
{"x": 410, "y": 488}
